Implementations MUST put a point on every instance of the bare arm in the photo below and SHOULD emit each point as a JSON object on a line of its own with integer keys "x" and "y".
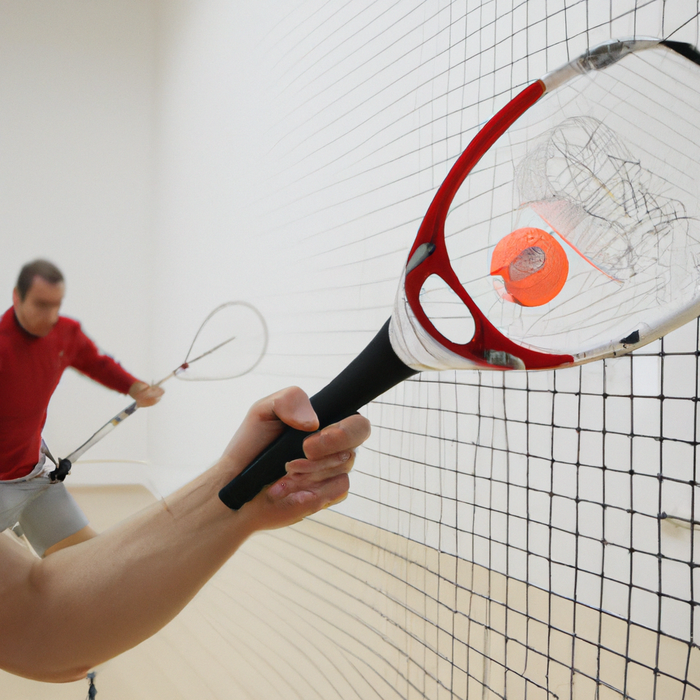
{"x": 134, "y": 578}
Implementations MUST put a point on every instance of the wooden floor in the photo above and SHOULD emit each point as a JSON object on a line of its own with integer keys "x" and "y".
{"x": 333, "y": 609}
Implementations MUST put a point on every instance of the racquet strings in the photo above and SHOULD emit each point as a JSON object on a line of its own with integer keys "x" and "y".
{"x": 230, "y": 343}
{"x": 484, "y": 504}
{"x": 605, "y": 168}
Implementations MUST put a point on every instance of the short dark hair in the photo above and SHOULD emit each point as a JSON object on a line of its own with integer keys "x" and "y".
{"x": 37, "y": 268}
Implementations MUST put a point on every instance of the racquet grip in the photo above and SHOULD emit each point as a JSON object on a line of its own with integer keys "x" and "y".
{"x": 375, "y": 370}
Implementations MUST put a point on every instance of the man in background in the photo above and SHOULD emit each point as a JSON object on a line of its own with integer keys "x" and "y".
{"x": 36, "y": 346}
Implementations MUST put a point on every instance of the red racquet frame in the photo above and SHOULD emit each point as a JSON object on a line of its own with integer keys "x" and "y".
{"x": 432, "y": 235}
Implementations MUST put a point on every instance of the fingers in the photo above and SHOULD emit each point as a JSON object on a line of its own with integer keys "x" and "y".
{"x": 345, "y": 435}
{"x": 294, "y": 503}
{"x": 321, "y": 478}
{"x": 312, "y": 490}
{"x": 291, "y": 406}
{"x": 266, "y": 420}
{"x": 311, "y": 483}
{"x": 305, "y": 474}
{"x": 318, "y": 468}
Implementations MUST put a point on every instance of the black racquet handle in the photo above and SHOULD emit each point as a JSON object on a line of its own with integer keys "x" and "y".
{"x": 61, "y": 471}
{"x": 375, "y": 370}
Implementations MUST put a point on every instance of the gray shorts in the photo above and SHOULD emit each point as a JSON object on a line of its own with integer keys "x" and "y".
{"x": 46, "y": 512}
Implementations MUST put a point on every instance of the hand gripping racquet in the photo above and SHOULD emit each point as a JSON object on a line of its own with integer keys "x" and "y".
{"x": 230, "y": 343}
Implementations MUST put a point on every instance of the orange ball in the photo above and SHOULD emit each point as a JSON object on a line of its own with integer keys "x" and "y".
{"x": 533, "y": 265}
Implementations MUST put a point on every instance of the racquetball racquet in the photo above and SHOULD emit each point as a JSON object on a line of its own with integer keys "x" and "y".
{"x": 229, "y": 343}
{"x": 567, "y": 231}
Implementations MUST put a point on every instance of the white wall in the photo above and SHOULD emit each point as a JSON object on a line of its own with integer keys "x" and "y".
{"x": 363, "y": 108}
{"x": 76, "y": 138}
{"x": 259, "y": 198}
{"x": 134, "y": 141}
{"x": 210, "y": 148}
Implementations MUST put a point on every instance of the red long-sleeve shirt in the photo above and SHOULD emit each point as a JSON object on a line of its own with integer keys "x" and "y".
{"x": 30, "y": 369}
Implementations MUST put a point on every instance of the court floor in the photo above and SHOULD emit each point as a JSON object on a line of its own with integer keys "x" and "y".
{"x": 333, "y": 608}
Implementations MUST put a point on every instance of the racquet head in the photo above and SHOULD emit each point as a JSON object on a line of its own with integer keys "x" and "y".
{"x": 569, "y": 228}
{"x": 230, "y": 343}
{"x": 567, "y": 231}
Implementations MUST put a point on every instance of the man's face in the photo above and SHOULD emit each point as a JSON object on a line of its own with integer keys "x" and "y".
{"x": 38, "y": 311}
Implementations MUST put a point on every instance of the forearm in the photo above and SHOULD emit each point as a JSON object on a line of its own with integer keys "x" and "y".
{"x": 102, "y": 368}
{"x": 82, "y": 605}
{"x": 93, "y": 601}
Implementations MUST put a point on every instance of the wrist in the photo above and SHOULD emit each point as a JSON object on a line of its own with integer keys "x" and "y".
{"x": 246, "y": 519}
